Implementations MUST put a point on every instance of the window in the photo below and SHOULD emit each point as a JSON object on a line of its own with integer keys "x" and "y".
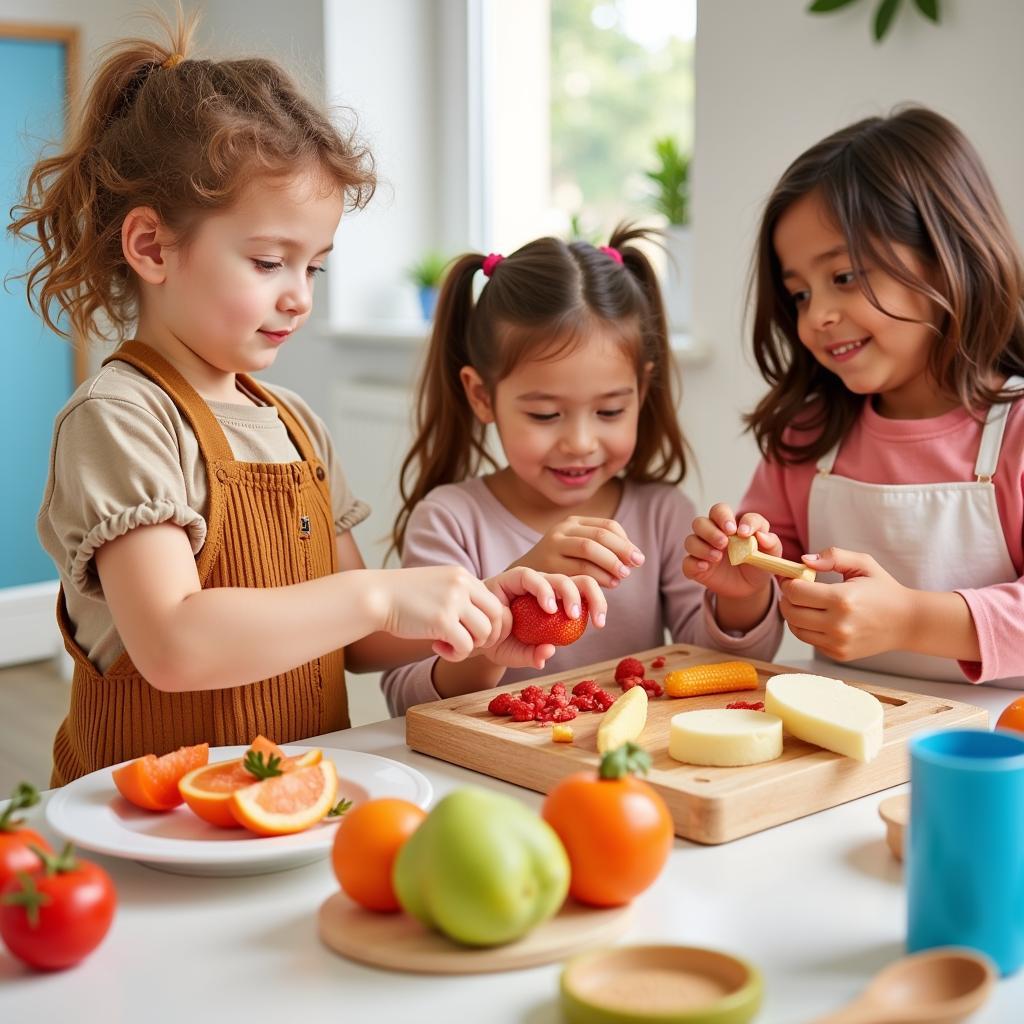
{"x": 577, "y": 91}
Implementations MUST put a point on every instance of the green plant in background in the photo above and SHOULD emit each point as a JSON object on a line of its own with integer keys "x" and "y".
{"x": 428, "y": 271}
{"x": 885, "y": 12}
{"x": 578, "y": 232}
{"x": 672, "y": 178}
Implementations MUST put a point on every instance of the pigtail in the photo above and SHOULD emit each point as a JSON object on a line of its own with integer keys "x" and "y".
{"x": 661, "y": 448}
{"x": 449, "y": 443}
{"x": 78, "y": 266}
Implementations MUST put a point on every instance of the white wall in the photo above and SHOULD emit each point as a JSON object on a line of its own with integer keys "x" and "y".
{"x": 770, "y": 81}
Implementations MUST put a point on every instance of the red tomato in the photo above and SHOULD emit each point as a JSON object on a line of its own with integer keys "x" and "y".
{"x": 56, "y": 915}
{"x": 15, "y": 841}
{"x": 615, "y": 828}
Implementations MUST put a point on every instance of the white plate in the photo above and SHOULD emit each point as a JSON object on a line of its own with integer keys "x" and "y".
{"x": 93, "y": 815}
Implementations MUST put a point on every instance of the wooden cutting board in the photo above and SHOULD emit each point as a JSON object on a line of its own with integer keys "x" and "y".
{"x": 398, "y": 942}
{"x": 708, "y": 805}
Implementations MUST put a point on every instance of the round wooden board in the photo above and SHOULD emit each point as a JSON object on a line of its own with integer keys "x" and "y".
{"x": 398, "y": 942}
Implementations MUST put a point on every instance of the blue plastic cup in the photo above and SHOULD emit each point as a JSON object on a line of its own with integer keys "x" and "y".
{"x": 965, "y": 850}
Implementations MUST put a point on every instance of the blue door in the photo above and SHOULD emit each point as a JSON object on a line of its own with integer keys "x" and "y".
{"x": 37, "y": 371}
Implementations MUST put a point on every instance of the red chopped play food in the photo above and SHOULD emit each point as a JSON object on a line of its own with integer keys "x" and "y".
{"x": 629, "y": 667}
{"x": 583, "y": 701}
{"x": 532, "y": 693}
{"x": 586, "y": 686}
{"x": 746, "y": 705}
{"x": 522, "y": 711}
{"x": 604, "y": 700}
{"x": 653, "y": 689}
{"x": 628, "y": 682}
{"x": 659, "y": 662}
{"x": 501, "y": 704}
{"x": 559, "y": 688}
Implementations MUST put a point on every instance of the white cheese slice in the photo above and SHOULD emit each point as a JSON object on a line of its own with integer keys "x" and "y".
{"x": 725, "y": 737}
{"x": 827, "y": 712}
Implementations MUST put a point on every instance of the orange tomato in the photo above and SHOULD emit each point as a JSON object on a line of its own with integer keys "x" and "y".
{"x": 1012, "y": 716}
{"x": 617, "y": 832}
{"x": 151, "y": 782}
{"x": 368, "y": 840}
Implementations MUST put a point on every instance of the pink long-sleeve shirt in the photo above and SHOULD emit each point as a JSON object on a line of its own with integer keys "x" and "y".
{"x": 465, "y": 524}
{"x": 943, "y": 448}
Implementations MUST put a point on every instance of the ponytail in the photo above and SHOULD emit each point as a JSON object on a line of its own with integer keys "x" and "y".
{"x": 661, "y": 450}
{"x": 449, "y": 443}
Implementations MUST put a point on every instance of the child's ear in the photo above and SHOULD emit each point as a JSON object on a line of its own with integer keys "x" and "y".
{"x": 477, "y": 395}
{"x": 144, "y": 238}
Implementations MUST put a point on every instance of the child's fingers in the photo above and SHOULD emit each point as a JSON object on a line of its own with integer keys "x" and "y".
{"x": 568, "y": 595}
{"x": 696, "y": 569}
{"x": 455, "y": 645}
{"x": 700, "y": 549}
{"x": 538, "y": 584}
{"x": 751, "y": 523}
{"x": 602, "y": 524}
{"x": 709, "y": 532}
{"x": 588, "y": 551}
{"x": 723, "y": 517}
{"x": 615, "y": 541}
{"x": 596, "y": 601}
{"x": 769, "y": 543}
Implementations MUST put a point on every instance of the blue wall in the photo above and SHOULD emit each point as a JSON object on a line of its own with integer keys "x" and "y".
{"x": 37, "y": 368}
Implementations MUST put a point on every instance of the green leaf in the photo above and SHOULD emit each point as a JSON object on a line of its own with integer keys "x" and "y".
{"x": 929, "y": 8}
{"x": 825, "y": 6}
{"x": 883, "y": 17}
{"x": 256, "y": 766}
{"x": 340, "y": 808}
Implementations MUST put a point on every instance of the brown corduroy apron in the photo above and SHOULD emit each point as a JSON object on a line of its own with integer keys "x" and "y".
{"x": 268, "y": 525}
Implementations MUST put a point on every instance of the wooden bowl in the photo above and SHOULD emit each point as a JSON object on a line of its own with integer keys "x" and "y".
{"x": 894, "y": 812}
{"x": 662, "y": 984}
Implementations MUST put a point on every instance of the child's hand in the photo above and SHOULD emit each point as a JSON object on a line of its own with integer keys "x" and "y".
{"x": 707, "y": 561}
{"x": 868, "y": 613}
{"x": 581, "y": 545}
{"x": 550, "y": 590}
{"x": 442, "y": 603}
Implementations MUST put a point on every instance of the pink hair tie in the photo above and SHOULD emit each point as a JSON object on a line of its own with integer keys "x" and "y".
{"x": 614, "y": 253}
{"x": 490, "y": 262}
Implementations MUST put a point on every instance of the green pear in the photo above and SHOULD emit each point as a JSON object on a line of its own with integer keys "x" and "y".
{"x": 482, "y": 868}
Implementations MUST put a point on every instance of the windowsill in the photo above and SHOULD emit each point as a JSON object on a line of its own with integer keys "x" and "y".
{"x": 411, "y": 335}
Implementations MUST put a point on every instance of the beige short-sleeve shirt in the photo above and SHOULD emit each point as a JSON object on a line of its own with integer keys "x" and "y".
{"x": 124, "y": 456}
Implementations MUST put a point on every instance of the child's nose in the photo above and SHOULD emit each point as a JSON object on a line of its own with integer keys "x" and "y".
{"x": 822, "y": 312}
{"x": 579, "y": 438}
{"x": 298, "y": 297}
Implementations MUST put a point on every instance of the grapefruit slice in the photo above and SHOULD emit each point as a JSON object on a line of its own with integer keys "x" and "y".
{"x": 151, "y": 782}
{"x": 287, "y": 803}
{"x": 207, "y": 790}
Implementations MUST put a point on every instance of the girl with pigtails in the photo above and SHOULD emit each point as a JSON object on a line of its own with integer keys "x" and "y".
{"x": 566, "y": 352}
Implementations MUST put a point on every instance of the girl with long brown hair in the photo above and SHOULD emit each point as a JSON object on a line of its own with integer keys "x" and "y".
{"x": 889, "y": 325}
{"x": 565, "y": 355}
{"x": 211, "y": 589}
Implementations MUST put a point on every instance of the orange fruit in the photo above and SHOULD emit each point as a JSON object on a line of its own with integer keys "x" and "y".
{"x": 151, "y": 782}
{"x": 287, "y": 803}
{"x": 207, "y": 790}
{"x": 368, "y": 840}
{"x": 1012, "y": 716}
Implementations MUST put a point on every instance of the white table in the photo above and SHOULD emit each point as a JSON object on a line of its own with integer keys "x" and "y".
{"x": 818, "y": 904}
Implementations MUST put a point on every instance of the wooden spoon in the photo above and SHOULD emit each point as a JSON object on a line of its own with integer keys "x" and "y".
{"x": 938, "y": 986}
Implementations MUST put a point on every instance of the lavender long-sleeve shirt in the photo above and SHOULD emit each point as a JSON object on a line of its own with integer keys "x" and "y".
{"x": 465, "y": 524}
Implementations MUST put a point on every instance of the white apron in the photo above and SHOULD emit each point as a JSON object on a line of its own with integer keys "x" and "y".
{"x": 942, "y": 536}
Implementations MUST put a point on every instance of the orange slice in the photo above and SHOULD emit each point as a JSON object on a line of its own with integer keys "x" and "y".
{"x": 151, "y": 782}
{"x": 207, "y": 790}
{"x": 287, "y": 803}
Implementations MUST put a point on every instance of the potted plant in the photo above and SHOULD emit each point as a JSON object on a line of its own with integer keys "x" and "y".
{"x": 427, "y": 273}
{"x": 671, "y": 198}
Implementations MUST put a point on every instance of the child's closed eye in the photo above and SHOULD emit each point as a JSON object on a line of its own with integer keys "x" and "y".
{"x": 610, "y": 414}
{"x": 268, "y": 267}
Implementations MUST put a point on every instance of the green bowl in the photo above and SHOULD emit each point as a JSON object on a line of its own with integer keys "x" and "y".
{"x": 659, "y": 985}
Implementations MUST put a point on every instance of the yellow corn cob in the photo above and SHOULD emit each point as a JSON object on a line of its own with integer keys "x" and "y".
{"x": 722, "y": 677}
{"x": 561, "y": 733}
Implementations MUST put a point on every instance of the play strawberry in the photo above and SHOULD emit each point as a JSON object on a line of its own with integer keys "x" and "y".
{"x": 531, "y": 625}
{"x": 629, "y": 667}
